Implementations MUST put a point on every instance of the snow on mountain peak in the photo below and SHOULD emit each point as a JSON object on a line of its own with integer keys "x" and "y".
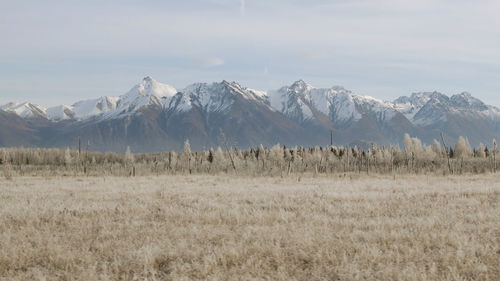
{"x": 465, "y": 100}
{"x": 8, "y": 105}
{"x": 93, "y": 107}
{"x": 430, "y": 108}
{"x": 219, "y": 96}
{"x": 426, "y": 108}
{"x": 466, "y": 95}
{"x": 151, "y": 87}
{"x": 60, "y": 112}
{"x": 300, "y": 101}
{"x": 301, "y": 86}
{"x": 410, "y": 106}
{"x": 25, "y": 110}
{"x": 149, "y": 79}
{"x": 247, "y": 93}
{"x": 148, "y": 92}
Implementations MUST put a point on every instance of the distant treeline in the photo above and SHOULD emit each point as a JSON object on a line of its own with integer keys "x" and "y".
{"x": 413, "y": 158}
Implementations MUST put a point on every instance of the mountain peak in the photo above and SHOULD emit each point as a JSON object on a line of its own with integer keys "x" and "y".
{"x": 148, "y": 79}
{"x": 438, "y": 95}
{"x": 233, "y": 84}
{"x": 426, "y": 95}
{"x": 465, "y": 94}
{"x": 150, "y": 87}
{"x": 25, "y": 109}
{"x": 420, "y": 98}
{"x": 149, "y": 82}
{"x": 8, "y": 105}
{"x": 467, "y": 101}
{"x": 148, "y": 92}
{"x": 227, "y": 83}
{"x": 300, "y": 85}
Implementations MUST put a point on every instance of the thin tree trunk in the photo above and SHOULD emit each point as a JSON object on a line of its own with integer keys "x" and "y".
{"x": 447, "y": 153}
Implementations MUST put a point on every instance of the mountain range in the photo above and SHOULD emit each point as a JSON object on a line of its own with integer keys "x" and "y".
{"x": 153, "y": 117}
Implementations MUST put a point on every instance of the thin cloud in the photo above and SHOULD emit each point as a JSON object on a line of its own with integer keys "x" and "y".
{"x": 207, "y": 62}
{"x": 242, "y": 8}
{"x": 315, "y": 54}
{"x": 351, "y": 42}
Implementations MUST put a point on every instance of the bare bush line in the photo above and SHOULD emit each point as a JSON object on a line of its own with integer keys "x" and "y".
{"x": 278, "y": 160}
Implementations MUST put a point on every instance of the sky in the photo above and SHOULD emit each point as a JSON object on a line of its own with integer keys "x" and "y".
{"x": 60, "y": 51}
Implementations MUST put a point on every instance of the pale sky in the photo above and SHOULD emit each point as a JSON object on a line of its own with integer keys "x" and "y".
{"x": 62, "y": 51}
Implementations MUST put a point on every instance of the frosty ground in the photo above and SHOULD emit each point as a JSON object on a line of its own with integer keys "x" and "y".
{"x": 202, "y": 227}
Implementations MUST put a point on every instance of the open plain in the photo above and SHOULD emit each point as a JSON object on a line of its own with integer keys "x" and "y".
{"x": 200, "y": 227}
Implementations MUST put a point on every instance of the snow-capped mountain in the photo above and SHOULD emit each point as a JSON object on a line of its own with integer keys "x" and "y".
{"x": 431, "y": 108}
{"x": 219, "y": 97}
{"x": 148, "y": 93}
{"x": 466, "y": 104}
{"x": 424, "y": 107}
{"x": 293, "y": 101}
{"x": 303, "y": 102}
{"x": 466, "y": 101}
{"x": 351, "y": 116}
{"x": 155, "y": 116}
{"x": 458, "y": 115}
{"x": 94, "y": 107}
{"x": 25, "y": 110}
{"x": 409, "y": 106}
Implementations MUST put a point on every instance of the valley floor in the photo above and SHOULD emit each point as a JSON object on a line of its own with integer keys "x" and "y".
{"x": 229, "y": 228}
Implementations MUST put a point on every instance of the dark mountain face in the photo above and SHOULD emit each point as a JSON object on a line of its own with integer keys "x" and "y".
{"x": 156, "y": 117}
{"x": 15, "y": 131}
{"x": 141, "y": 131}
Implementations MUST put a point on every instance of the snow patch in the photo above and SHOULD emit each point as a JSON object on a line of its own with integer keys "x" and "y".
{"x": 94, "y": 107}
{"x": 60, "y": 112}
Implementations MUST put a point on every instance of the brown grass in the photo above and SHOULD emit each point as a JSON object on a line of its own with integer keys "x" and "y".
{"x": 226, "y": 228}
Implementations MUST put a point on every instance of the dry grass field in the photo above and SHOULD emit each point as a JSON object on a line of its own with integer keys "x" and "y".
{"x": 227, "y": 228}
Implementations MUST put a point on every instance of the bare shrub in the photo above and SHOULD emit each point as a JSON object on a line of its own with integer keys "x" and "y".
{"x": 462, "y": 148}
{"x": 7, "y": 171}
{"x": 67, "y": 157}
{"x": 436, "y": 147}
{"x": 129, "y": 157}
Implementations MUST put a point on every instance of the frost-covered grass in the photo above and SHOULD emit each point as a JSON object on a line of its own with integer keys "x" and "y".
{"x": 229, "y": 228}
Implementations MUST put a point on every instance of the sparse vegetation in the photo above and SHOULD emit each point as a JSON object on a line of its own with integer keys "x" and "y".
{"x": 278, "y": 160}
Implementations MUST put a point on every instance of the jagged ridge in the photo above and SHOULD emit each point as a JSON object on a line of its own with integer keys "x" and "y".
{"x": 300, "y": 107}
